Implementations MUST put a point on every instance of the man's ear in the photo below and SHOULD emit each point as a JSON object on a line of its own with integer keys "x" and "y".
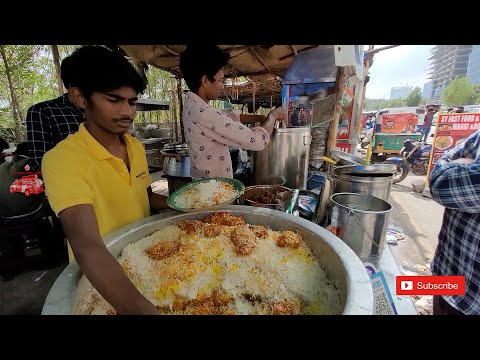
{"x": 78, "y": 98}
{"x": 204, "y": 80}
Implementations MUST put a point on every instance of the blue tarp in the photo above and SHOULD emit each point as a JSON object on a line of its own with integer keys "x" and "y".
{"x": 312, "y": 66}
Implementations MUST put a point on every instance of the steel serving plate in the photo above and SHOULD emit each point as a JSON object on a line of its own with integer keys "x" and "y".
{"x": 238, "y": 186}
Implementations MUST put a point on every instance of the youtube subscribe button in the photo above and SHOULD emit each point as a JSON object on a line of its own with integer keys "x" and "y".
{"x": 430, "y": 285}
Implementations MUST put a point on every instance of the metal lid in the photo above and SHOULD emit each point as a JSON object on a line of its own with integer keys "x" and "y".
{"x": 175, "y": 146}
{"x": 362, "y": 170}
{"x": 347, "y": 159}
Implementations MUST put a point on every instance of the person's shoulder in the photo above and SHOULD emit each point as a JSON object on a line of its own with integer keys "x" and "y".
{"x": 69, "y": 149}
{"x": 38, "y": 107}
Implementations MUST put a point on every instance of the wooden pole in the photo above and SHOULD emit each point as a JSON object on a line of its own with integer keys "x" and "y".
{"x": 357, "y": 115}
{"x": 56, "y": 61}
{"x": 254, "y": 89}
{"x": 174, "y": 107}
{"x": 180, "y": 107}
{"x": 366, "y": 68}
{"x": 340, "y": 89}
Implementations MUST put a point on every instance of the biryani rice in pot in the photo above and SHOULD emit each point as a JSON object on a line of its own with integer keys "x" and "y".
{"x": 238, "y": 261}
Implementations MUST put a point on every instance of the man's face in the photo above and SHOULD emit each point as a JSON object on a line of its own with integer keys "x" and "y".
{"x": 113, "y": 111}
{"x": 214, "y": 88}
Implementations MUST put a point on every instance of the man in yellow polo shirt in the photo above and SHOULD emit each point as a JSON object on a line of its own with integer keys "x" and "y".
{"x": 97, "y": 179}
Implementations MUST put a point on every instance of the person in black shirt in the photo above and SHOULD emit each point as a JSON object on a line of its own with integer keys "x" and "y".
{"x": 51, "y": 121}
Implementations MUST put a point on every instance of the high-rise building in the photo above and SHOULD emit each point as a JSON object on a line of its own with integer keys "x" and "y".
{"x": 427, "y": 89}
{"x": 473, "y": 71}
{"x": 447, "y": 62}
{"x": 400, "y": 91}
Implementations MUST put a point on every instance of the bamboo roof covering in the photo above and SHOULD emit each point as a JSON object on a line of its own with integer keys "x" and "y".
{"x": 263, "y": 65}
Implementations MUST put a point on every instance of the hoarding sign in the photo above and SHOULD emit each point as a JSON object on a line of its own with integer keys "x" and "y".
{"x": 401, "y": 123}
{"x": 452, "y": 130}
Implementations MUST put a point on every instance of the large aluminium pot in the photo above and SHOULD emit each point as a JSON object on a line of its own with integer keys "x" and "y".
{"x": 339, "y": 262}
{"x": 375, "y": 180}
{"x": 285, "y": 157}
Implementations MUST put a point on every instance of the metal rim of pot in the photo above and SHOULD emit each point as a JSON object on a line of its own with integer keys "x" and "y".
{"x": 359, "y": 293}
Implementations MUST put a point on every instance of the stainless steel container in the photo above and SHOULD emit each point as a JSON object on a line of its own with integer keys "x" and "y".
{"x": 362, "y": 222}
{"x": 375, "y": 180}
{"x": 339, "y": 262}
{"x": 285, "y": 157}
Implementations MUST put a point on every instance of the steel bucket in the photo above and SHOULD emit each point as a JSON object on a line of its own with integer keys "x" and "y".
{"x": 361, "y": 221}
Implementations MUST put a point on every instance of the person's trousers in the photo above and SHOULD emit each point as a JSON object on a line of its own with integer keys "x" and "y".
{"x": 441, "y": 307}
{"x": 425, "y": 132}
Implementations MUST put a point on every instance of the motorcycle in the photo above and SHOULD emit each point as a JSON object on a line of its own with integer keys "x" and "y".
{"x": 415, "y": 158}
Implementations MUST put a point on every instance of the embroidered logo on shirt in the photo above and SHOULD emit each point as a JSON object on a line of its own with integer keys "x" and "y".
{"x": 142, "y": 173}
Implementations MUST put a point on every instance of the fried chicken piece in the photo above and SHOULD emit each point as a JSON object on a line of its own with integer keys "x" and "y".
{"x": 243, "y": 239}
{"x": 259, "y": 230}
{"x": 212, "y": 230}
{"x": 221, "y": 297}
{"x": 224, "y": 218}
{"x": 162, "y": 250}
{"x": 290, "y": 239}
{"x": 190, "y": 226}
{"x": 286, "y": 307}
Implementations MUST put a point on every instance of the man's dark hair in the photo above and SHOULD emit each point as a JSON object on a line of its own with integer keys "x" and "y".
{"x": 199, "y": 60}
{"x": 3, "y": 144}
{"x": 95, "y": 68}
{"x": 23, "y": 149}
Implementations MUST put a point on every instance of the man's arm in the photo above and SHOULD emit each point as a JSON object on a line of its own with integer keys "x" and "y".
{"x": 39, "y": 133}
{"x": 99, "y": 265}
{"x": 455, "y": 179}
{"x": 157, "y": 202}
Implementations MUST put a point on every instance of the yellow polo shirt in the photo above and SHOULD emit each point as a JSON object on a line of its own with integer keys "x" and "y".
{"x": 78, "y": 170}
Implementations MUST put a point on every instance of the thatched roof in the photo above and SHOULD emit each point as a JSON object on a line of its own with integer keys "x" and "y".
{"x": 263, "y": 65}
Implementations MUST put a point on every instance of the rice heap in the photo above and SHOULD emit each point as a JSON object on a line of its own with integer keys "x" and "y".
{"x": 206, "y": 194}
{"x": 221, "y": 265}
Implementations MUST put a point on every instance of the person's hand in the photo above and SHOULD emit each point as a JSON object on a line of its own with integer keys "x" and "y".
{"x": 462, "y": 161}
{"x": 278, "y": 114}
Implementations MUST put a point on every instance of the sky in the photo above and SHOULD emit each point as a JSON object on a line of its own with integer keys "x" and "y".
{"x": 400, "y": 66}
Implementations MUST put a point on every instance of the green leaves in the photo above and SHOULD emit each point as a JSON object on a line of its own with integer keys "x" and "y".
{"x": 414, "y": 98}
{"x": 459, "y": 92}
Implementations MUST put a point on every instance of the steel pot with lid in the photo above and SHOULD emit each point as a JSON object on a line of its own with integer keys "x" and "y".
{"x": 375, "y": 180}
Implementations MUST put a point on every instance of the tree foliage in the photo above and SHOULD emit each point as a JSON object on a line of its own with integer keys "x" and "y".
{"x": 414, "y": 98}
{"x": 459, "y": 92}
{"x": 34, "y": 79}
